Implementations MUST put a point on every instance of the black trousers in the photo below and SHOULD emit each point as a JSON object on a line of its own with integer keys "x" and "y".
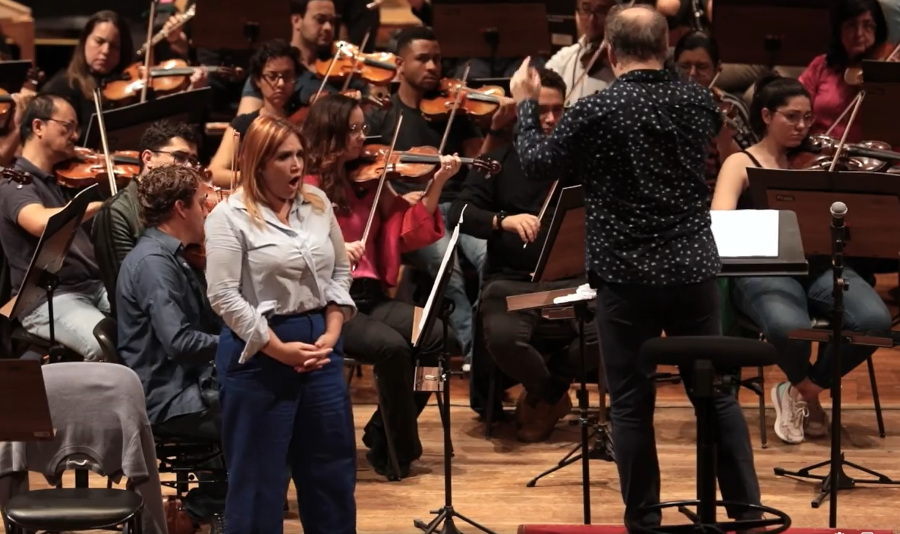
{"x": 627, "y": 316}
{"x": 380, "y": 335}
{"x": 543, "y": 355}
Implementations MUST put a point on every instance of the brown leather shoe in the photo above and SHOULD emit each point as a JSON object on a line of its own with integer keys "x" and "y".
{"x": 544, "y": 421}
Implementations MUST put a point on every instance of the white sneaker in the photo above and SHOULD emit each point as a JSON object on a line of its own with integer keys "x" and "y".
{"x": 790, "y": 414}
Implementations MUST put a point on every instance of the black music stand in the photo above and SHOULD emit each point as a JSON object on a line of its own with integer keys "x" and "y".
{"x": 24, "y": 409}
{"x": 479, "y": 28}
{"x": 790, "y": 261}
{"x": 13, "y": 75}
{"x": 873, "y": 198}
{"x": 562, "y": 257}
{"x": 41, "y": 279}
{"x": 881, "y": 81}
{"x": 765, "y": 32}
{"x": 434, "y": 379}
{"x": 126, "y": 125}
{"x": 222, "y": 24}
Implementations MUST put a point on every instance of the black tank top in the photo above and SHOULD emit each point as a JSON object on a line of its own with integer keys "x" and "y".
{"x": 745, "y": 201}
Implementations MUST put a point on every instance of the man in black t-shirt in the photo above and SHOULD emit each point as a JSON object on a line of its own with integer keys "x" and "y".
{"x": 419, "y": 69}
{"x": 49, "y": 131}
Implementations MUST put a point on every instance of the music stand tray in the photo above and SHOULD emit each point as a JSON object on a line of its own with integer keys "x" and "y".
{"x": 874, "y": 198}
{"x": 237, "y": 24}
{"x": 49, "y": 256}
{"x": 518, "y": 28}
{"x": 126, "y": 125}
{"x": 565, "y": 239}
{"x": 765, "y": 32}
{"x": 881, "y": 81}
{"x": 790, "y": 260}
{"x": 24, "y": 409}
{"x": 13, "y": 75}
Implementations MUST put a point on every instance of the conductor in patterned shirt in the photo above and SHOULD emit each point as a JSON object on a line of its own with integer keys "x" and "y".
{"x": 639, "y": 149}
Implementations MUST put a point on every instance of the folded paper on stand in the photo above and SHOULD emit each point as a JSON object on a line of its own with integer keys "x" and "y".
{"x": 746, "y": 233}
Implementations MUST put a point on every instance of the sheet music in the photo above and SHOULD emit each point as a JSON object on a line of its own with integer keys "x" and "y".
{"x": 746, "y": 233}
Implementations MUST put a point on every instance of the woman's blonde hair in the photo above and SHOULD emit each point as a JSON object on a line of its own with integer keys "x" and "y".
{"x": 258, "y": 146}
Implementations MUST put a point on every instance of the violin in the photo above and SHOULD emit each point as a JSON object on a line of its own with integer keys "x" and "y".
{"x": 417, "y": 163}
{"x": 819, "y": 150}
{"x": 169, "y": 77}
{"x": 741, "y": 132}
{"x": 378, "y": 68}
{"x": 89, "y": 167}
{"x": 480, "y": 103}
{"x": 884, "y": 52}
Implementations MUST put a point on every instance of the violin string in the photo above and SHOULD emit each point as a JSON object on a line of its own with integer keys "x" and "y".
{"x": 840, "y": 147}
{"x": 380, "y": 188}
{"x": 362, "y": 46}
{"x": 113, "y": 188}
{"x": 149, "y": 53}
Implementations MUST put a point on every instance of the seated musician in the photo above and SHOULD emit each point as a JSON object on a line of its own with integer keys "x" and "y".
{"x": 168, "y": 334}
{"x": 49, "y": 131}
{"x": 697, "y": 57}
{"x": 312, "y": 34}
{"x": 504, "y": 210}
{"x": 273, "y": 70}
{"x": 857, "y": 28}
{"x": 117, "y": 226}
{"x": 380, "y": 334}
{"x": 781, "y": 115}
{"x": 571, "y": 61}
{"x": 103, "y": 52}
{"x": 419, "y": 68}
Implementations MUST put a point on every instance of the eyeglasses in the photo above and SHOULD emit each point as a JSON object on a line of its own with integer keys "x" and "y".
{"x": 181, "y": 158}
{"x": 794, "y": 117}
{"x": 359, "y": 128}
{"x": 273, "y": 77}
{"x": 70, "y": 127}
{"x": 699, "y": 67}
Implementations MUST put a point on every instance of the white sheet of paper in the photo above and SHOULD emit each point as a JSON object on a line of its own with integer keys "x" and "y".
{"x": 746, "y": 233}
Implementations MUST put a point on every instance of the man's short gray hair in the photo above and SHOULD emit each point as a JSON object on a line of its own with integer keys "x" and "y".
{"x": 637, "y": 38}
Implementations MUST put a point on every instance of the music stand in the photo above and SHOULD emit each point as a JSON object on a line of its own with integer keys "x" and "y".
{"x": 790, "y": 260}
{"x": 874, "y": 231}
{"x": 126, "y": 125}
{"x": 225, "y": 23}
{"x": 24, "y": 409}
{"x": 41, "y": 279}
{"x": 881, "y": 81}
{"x": 476, "y": 28}
{"x": 565, "y": 239}
{"x": 765, "y": 32}
{"x": 13, "y": 75}
{"x": 433, "y": 379}
{"x": 561, "y": 22}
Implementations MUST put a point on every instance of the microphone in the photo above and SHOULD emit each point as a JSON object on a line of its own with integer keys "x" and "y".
{"x": 838, "y": 210}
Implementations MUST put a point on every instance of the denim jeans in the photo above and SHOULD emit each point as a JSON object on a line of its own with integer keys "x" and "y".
{"x": 75, "y": 314}
{"x": 430, "y": 258}
{"x": 780, "y": 304}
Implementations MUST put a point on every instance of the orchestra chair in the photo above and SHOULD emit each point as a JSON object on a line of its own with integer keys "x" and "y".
{"x": 15, "y": 341}
{"x": 710, "y": 360}
{"x": 80, "y": 396}
{"x": 182, "y": 456}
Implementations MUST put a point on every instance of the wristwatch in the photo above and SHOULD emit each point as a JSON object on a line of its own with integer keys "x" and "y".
{"x": 500, "y": 216}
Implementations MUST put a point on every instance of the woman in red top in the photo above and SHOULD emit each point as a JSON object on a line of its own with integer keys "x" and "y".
{"x": 857, "y": 27}
{"x": 334, "y": 133}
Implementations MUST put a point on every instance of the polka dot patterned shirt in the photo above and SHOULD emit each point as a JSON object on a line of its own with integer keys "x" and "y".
{"x": 639, "y": 148}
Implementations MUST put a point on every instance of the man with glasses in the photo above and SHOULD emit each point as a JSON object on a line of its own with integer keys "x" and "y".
{"x": 117, "y": 226}
{"x": 49, "y": 131}
{"x": 571, "y": 61}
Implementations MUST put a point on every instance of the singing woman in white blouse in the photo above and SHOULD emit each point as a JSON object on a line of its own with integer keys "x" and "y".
{"x": 279, "y": 276}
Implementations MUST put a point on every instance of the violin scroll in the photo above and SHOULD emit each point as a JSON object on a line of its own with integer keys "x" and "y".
{"x": 490, "y": 166}
{"x": 21, "y": 178}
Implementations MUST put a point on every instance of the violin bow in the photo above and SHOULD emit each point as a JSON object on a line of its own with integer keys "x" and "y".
{"x": 600, "y": 49}
{"x": 365, "y": 41}
{"x": 113, "y": 188}
{"x": 853, "y": 103}
{"x": 380, "y": 188}
{"x": 453, "y": 109}
{"x": 546, "y": 205}
{"x": 149, "y": 53}
{"x": 850, "y": 121}
{"x": 340, "y": 50}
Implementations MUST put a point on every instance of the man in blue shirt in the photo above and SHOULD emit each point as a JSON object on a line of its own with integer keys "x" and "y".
{"x": 167, "y": 332}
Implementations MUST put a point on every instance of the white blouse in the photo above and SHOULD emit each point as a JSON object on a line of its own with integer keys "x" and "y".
{"x": 254, "y": 270}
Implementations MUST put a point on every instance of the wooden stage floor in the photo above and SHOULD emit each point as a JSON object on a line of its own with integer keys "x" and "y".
{"x": 489, "y": 476}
